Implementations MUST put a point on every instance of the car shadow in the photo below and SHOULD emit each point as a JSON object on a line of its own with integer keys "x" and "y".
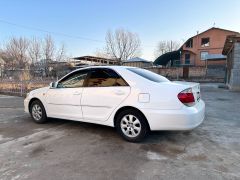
{"x": 169, "y": 144}
{"x": 110, "y": 133}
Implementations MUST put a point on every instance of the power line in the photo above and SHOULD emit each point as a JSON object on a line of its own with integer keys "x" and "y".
{"x": 50, "y": 32}
{"x": 56, "y": 33}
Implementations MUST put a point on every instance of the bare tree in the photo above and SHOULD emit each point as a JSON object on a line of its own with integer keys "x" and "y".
{"x": 166, "y": 46}
{"x": 16, "y": 48}
{"x": 36, "y": 54}
{"x": 48, "y": 48}
{"x": 60, "y": 56}
{"x": 48, "y": 51}
{"x": 122, "y": 44}
{"x": 34, "y": 50}
{"x": 61, "y": 53}
{"x": 101, "y": 53}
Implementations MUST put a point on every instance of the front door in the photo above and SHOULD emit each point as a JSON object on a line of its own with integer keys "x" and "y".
{"x": 104, "y": 91}
{"x": 64, "y": 101}
{"x": 185, "y": 72}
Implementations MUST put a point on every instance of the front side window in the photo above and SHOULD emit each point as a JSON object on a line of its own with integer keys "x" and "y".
{"x": 148, "y": 75}
{"x": 105, "y": 78}
{"x": 74, "y": 80}
{"x": 205, "y": 42}
{"x": 203, "y": 55}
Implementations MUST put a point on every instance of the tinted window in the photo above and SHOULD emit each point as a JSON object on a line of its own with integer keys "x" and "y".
{"x": 73, "y": 80}
{"x": 148, "y": 75}
{"x": 105, "y": 78}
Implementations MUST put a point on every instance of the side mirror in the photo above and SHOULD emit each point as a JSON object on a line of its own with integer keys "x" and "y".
{"x": 53, "y": 85}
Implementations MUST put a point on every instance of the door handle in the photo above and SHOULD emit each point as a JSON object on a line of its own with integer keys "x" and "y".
{"x": 119, "y": 92}
{"x": 76, "y": 93}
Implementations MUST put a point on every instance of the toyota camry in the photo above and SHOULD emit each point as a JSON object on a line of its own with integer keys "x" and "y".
{"x": 133, "y": 100}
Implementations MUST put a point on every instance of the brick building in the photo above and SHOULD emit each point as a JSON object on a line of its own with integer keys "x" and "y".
{"x": 205, "y": 48}
{"x": 232, "y": 51}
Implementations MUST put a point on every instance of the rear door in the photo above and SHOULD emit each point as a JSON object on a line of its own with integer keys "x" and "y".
{"x": 105, "y": 90}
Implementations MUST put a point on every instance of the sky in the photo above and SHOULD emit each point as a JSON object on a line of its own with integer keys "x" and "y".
{"x": 82, "y": 24}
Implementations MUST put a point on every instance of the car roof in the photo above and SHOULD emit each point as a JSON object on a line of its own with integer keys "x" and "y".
{"x": 94, "y": 67}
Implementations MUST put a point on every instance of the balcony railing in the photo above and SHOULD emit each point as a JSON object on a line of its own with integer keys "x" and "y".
{"x": 187, "y": 62}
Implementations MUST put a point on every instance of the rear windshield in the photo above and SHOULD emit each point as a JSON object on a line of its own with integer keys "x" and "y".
{"x": 148, "y": 75}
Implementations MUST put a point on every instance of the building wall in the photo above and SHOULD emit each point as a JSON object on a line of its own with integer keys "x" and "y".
{"x": 217, "y": 40}
{"x": 192, "y": 57}
{"x": 214, "y": 75}
{"x": 171, "y": 72}
{"x": 137, "y": 64}
{"x": 233, "y": 79}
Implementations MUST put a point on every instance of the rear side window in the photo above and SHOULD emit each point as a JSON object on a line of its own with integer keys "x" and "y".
{"x": 148, "y": 75}
{"x": 105, "y": 78}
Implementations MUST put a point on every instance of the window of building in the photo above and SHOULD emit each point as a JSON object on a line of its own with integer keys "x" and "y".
{"x": 203, "y": 55}
{"x": 187, "y": 58}
{"x": 105, "y": 78}
{"x": 74, "y": 80}
{"x": 205, "y": 42}
{"x": 189, "y": 43}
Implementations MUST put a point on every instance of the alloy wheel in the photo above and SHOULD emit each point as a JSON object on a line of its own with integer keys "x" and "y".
{"x": 130, "y": 125}
{"x": 36, "y": 112}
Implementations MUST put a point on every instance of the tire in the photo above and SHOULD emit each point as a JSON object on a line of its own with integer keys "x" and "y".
{"x": 132, "y": 125}
{"x": 38, "y": 112}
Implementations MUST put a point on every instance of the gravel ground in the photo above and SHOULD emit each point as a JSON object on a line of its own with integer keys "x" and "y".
{"x": 62, "y": 149}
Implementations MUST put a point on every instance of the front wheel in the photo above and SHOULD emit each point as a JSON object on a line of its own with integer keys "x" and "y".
{"x": 132, "y": 125}
{"x": 38, "y": 112}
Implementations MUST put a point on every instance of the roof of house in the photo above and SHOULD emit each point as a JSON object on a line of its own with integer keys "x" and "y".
{"x": 89, "y": 58}
{"x": 165, "y": 58}
{"x": 214, "y": 57}
{"x": 137, "y": 59}
{"x": 213, "y": 28}
{"x": 230, "y": 40}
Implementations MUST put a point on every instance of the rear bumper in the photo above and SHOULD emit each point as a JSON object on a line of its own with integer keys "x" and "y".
{"x": 186, "y": 118}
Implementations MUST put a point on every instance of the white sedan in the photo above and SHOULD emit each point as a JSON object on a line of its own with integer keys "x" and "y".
{"x": 133, "y": 100}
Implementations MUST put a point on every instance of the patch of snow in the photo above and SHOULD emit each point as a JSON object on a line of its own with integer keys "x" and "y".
{"x": 3, "y": 139}
{"x": 155, "y": 156}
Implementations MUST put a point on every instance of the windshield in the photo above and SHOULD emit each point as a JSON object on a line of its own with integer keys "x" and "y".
{"x": 149, "y": 75}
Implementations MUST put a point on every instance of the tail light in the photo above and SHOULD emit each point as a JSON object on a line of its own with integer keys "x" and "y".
{"x": 187, "y": 97}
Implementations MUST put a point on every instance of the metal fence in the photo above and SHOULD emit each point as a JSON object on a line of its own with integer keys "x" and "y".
{"x": 20, "y": 81}
{"x": 21, "y": 88}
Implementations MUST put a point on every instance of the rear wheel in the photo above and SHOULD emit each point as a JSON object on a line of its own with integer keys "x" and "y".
{"x": 132, "y": 125}
{"x": 38, "y": 112}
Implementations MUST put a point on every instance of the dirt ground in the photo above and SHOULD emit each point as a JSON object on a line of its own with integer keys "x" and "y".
{"x": 64, "y": 149}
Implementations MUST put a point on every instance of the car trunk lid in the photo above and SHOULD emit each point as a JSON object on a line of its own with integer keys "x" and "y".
{"x": 195, "y": 89}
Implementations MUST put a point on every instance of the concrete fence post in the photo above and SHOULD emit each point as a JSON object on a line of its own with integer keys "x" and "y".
{"x": 21, "y": 91}
{"x": 177, "y": 73}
